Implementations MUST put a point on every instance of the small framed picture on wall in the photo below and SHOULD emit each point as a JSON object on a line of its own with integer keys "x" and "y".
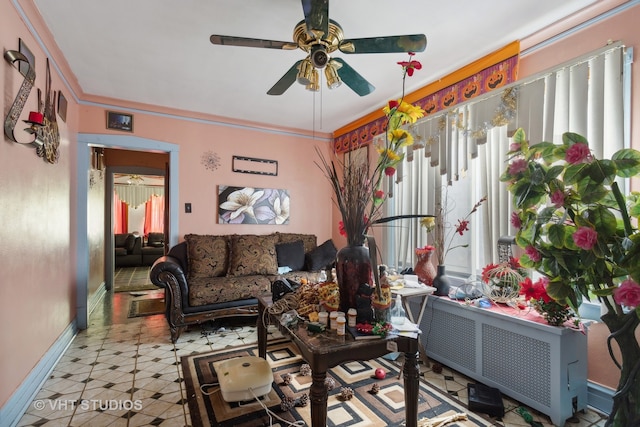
{"x": 119, "y": 121}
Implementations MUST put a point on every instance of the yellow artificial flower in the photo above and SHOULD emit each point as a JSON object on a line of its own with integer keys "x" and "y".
{"x": 429, "y": 223}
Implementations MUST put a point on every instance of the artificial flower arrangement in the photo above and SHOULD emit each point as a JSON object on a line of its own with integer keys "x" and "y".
{"x": 443, "y": 233}
{"x": 580, "y": 232}
{"x": 358, "y": 191}
{"x": 359, "y": 194}
{"x": 535, "y": 293}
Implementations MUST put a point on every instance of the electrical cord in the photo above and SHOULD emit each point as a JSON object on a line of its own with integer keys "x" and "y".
{"x": 270, "y": 413}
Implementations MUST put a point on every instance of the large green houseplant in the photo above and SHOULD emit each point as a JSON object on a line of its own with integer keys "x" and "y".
{"x": 580, "y": 231}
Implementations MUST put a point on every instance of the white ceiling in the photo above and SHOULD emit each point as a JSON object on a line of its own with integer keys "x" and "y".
{"x": 158, "y": 51}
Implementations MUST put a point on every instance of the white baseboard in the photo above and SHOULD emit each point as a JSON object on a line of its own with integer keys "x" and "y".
{"x": 18, "y": 403}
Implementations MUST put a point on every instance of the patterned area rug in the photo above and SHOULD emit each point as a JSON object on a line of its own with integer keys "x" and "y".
{"x": 129, "y": 279}
{"x": 146, "y": 307}
{"x": 386, "y": 408}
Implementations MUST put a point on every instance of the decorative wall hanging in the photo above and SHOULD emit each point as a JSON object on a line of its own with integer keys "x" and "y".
{"x": 246, "y": 205}
{"x": 62, "y": 106}
{"x": 43, "y": 122}
{"x": 243, "y": 164}
{"x": 119, "y": 121}
{"x": 211, "y": 160}
{"x": 23, "y": 67}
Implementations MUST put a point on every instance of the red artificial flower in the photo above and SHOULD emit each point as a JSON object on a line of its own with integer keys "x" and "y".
{"x": 343, "y": 232}
{"x": 462, "y": 226}
{"x": 514, "y": 263}
{"x": 393, "y": 104}
{"x": 486, "y": 278}
{"x": 526, "y": 289}
{"x": 389, "y": 171}
{"x": 410, "y": 66}
{"x": 379, "y": 194}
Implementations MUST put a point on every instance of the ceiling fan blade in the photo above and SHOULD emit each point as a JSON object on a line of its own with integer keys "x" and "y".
{"x": 247, "y": 42}
{"x": 285, "y": 81}
{"x": 388, "y": 44}
{"x": 351, "y": 78}
{"x": 316, "y": 15}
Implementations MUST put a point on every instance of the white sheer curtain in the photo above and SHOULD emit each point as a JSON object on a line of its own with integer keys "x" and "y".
{"x": 584, "y": 96}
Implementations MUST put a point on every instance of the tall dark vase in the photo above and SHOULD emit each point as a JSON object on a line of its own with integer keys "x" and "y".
{"x": 353, "y": 268}
{"x": 441, "y": 282}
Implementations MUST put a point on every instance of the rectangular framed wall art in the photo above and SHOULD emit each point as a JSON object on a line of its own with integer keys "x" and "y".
{"x": 247, "y": 205}
{"x": 119, "y": 121}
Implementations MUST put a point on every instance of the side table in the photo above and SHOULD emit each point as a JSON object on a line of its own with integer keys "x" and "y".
{"x": 423, "y": 293}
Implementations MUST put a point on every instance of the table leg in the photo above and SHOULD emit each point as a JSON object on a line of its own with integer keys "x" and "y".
{"x": 318, "y": 398}
{"x": 411, "y": 383}
{"x": 262, "y": 331}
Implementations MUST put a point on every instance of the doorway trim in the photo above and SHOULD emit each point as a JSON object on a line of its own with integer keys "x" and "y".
{"x": 127, "y": 142}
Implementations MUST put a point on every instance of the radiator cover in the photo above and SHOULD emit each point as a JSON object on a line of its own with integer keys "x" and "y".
{"x": 539, "y": 365}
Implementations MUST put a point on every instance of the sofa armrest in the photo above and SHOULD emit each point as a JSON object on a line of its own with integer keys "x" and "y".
{"x": 167, "y": 273}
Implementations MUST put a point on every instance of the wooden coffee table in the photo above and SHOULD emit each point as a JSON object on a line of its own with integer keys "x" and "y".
{"x": 327, "y": 349}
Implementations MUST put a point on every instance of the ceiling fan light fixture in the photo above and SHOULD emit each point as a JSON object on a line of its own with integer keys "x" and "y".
{"x": 305, "y": 73}
{"x": 331, "y": 73}
{"x": 314, "y": 86}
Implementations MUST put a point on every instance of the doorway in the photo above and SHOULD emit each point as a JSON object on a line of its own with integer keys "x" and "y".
{"x": 126, "y": 142}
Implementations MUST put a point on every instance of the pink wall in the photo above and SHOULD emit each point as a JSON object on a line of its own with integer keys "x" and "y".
{"x": 37, "y": 213}
{"x": 308, "y": 190}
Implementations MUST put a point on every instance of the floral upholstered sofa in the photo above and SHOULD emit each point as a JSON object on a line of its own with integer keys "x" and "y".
{"x": 206, "y": 277}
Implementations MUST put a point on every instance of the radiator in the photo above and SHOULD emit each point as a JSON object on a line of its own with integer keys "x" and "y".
{"x": 541, "y": 366}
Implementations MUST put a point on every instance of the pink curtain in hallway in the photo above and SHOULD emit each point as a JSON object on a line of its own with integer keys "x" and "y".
{"x": 154, "y": 215}
{"x": 120, "y": 215}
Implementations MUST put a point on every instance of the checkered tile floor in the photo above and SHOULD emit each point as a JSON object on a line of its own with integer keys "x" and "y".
{"x": 126, "y": 372}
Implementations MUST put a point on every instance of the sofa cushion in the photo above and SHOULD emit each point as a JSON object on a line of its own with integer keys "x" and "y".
{"x": 252, "y": 254}
{"x": 208, "y": 256}
{"x": 321, "y": 257}
{"x": 120, "y": 251}
{"x": 308, "y": 240}
{"x": 291, "y": 255}
{"x": 129, "y": 243}
{"x": 155, "y": 240}
{"x": 212, "y": 290}
{"x": 119, "y": 240}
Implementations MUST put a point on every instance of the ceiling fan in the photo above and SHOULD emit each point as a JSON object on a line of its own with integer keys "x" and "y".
{"x": 319, "y": 37}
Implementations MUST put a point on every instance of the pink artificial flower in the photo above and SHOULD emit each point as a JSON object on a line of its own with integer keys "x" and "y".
{"x": 515, "y": 220}
{"x": 627, "y": 294}
{"x": 557, "y": 198}
{"x": 514, "y": 146}
{"x": 585, "y": 238}
{"x": 533, "y": 253}
{"x": 517, "y": 166}
{"x": 578, "y": 153}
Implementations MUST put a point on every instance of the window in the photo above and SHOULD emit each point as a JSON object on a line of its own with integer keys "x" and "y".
{"x": 466, "y": 152}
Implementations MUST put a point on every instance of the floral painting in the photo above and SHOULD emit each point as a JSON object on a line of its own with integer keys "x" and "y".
{"x": 247, "y": 205}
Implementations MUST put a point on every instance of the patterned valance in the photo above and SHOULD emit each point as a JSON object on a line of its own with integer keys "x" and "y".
{"x": 490, "y": 78}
